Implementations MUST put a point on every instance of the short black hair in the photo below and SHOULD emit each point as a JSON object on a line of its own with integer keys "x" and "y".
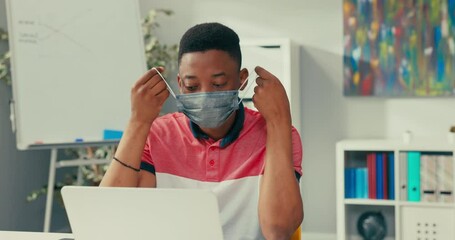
{"x": 211, "y": 36}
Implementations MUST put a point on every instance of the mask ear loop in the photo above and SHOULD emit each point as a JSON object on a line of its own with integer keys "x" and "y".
{"x": 168, "y": 87}
{"x": 246, "y": 90}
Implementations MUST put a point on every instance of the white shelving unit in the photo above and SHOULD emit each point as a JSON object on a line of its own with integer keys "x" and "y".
{"x": 405, "y": 220}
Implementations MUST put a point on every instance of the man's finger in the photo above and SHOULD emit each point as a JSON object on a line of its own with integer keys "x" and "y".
{"x": 147, "y": 76}
{"x": 153, "y": 81}
{"x": 164, "y": 94}
{"x": 157, "y": 88}
{"x": 256, "y": 89}
{"x": 259, "y": 81}
{"x": 264, "y": 74}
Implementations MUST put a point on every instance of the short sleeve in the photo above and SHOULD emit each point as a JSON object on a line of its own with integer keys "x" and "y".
{"x": 297, "y": 153}
{"x": 146, "y": 158}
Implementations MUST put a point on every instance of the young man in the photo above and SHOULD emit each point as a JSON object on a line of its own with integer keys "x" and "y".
{"x": 249, "y": 159}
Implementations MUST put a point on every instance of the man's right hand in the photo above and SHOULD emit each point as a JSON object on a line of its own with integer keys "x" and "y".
{"x": 148, "y": 96}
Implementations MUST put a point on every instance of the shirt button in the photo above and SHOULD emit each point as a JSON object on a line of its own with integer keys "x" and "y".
{"x": 212, "y": 163}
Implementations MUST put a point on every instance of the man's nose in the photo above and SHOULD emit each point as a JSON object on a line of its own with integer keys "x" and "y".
{"x": 206, "y": 88}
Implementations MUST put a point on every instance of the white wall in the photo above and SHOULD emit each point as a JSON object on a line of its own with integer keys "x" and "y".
{"x": 327, "y": 116}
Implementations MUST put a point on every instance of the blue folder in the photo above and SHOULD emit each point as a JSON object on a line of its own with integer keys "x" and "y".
{"x": 391, "y": 175}
{"x": 379, "y": 176}
{"x": 414, "y": 176}
{"x": 361, "y": 181}
{"x": 349, "y": 183}
{"x": 112, "y": 134}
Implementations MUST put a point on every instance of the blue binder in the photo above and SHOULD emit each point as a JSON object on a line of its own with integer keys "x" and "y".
{"x": 361, "y": 179}
{"x": 391, "y": 175}
{"x": 349, "y": 183}
{"x": 414, "y": 176}
{"x": 379, "y": 176}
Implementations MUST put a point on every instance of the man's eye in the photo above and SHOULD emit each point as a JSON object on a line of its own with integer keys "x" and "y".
{"x": 191, "y": 88}
{"x": 219, "y": 85}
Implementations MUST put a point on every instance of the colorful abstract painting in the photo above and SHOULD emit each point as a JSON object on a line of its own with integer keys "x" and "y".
{"x": 399, "y": 47}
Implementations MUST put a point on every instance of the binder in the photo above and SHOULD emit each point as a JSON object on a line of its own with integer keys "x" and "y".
{"x": 414, "y": 176}
{"x": 379, "y": 176}
{"x": 444, "y": 175}
{"x": 361, "y": 183}
{"x": 371, "y": 165}
{"x": 403, "y": 181}
{"x": 358, "y": 183}
{"x": 428, "y": 178}
{"x": 385, "y": 176}
{"x": 349, "y": 182}
{"x": 365, "y": 183}
{"x": 391, "y": 175}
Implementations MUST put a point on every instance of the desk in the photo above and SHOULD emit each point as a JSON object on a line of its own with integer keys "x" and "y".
{"x": 57, "y": 236}
{"x": 34, "y": 236}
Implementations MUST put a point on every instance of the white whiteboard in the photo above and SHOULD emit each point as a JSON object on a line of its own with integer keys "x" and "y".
{"x": 73, "y": 64}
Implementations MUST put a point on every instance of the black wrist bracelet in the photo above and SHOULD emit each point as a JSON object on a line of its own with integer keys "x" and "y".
{"x": 126, "y": 165}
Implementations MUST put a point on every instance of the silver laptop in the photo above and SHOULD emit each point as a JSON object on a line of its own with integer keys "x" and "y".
{"x": 141, "y": 213}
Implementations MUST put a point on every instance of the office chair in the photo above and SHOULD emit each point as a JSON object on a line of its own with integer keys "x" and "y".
{"x": 297, "y": 234}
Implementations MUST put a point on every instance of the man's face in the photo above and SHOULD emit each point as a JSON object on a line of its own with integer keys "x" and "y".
{"x": 209, "y": 71}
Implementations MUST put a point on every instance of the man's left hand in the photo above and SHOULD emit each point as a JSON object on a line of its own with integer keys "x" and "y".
{"x": 270, "y": 98}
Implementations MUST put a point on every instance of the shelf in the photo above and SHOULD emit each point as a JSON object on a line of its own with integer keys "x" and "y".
{"x": 373, "y": 202}
{"x": 396, "y": 144}
{"x": 367, "y": 145}
{"x": 405, "y": 219}
{"x": 378, "y": 202}
{"x": 427, "y": 204}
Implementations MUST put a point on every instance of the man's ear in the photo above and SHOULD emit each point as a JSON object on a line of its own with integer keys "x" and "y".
{"x": 243, "y": 77}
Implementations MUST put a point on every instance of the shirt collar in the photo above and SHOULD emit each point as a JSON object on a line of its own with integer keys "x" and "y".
{"x": 232, "y": 134}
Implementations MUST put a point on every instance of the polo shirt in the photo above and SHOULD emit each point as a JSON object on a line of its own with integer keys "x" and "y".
{"x": 182, "y": 156}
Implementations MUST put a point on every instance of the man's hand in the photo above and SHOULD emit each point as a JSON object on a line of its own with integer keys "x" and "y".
{"x": 148, "y": 96}
{"x": 270, "y": 98}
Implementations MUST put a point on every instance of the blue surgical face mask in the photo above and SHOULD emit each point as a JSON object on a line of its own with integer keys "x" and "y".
{"x": 207, "y": 109}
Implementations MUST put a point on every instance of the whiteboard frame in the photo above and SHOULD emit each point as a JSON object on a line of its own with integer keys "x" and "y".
{"x": 16, "y": 118}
